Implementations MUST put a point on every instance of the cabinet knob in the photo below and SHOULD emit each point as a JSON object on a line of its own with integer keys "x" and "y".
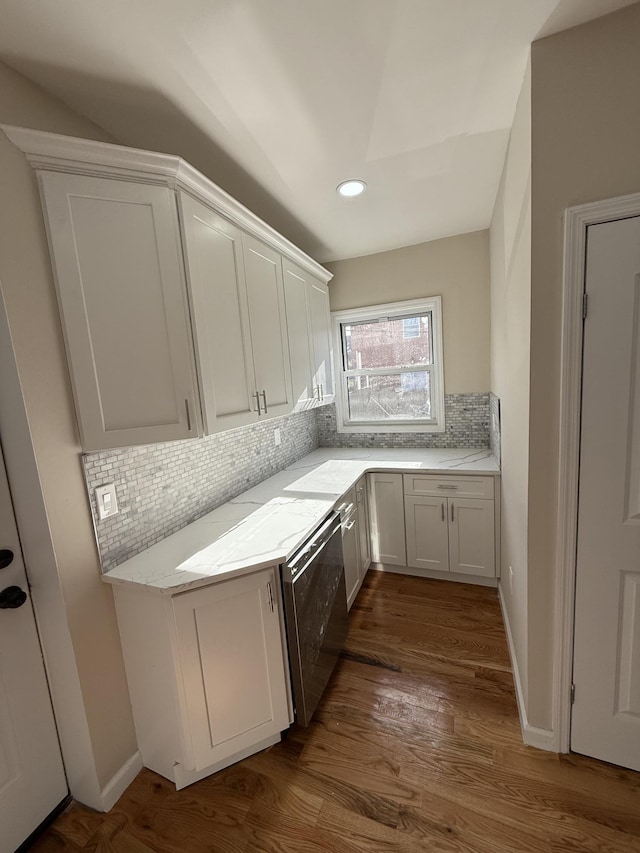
{"x": 6, "y": 557}
{"x": 12, "y": 597}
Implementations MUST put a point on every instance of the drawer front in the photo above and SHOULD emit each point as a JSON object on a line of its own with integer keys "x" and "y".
{"x": 444, "y": 486}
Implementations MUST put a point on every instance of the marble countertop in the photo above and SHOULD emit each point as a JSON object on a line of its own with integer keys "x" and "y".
{"x": 266, "y": 524}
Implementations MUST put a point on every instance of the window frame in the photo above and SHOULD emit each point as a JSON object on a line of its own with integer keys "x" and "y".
{"x": 391, "y": 311}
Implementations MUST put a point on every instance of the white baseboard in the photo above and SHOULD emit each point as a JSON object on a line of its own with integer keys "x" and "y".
{"x": 433, "y": 575}
{"x": 120, "y": 781}
{"x": 531, "y": 735}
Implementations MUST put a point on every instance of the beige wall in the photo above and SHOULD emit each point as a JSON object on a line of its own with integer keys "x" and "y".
{"x": 510, "y": 323}
{"x": 457, "y": 268}
{"x": 27, "y": 285}
{"x": 585, "y": 130}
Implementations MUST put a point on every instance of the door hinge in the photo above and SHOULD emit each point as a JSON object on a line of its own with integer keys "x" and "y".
{"x": 585, "y": 305}
{"x": 573, "y": 694}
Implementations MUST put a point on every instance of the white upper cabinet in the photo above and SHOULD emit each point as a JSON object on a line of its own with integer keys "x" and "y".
{"x": 172, "y": 296}
{"x": 267, "y": 316}
{"x": 307, "y": 303}
{"x": 300, "y": 342}
{"x": 321, "y": 336}
{"x": 222, "y": 332}
{"x": 118, "y": 267}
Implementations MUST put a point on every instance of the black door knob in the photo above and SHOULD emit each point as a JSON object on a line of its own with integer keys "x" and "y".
{"x": 6, "y": 558}
{"x": 12, "y": 597}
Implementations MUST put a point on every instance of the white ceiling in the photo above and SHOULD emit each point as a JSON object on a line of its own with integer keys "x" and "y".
{"x": 280, "y": 100}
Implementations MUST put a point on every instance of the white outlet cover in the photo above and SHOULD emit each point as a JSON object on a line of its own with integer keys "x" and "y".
{"x": 106, "y": 501}
{"x": 276, "y": 437}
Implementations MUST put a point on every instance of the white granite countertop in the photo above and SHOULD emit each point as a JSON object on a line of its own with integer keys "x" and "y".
{"x": 265, "y": 525}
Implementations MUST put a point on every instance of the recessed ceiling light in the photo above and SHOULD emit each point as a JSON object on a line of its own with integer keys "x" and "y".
{"x": 350, "y": 189}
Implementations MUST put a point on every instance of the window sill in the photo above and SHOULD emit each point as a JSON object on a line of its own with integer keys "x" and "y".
{"x": 390, "y": 427}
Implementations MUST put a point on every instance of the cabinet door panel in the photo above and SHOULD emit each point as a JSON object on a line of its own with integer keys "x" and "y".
{"x": 427, "y": 533}
{"x": 364, "y": 537}
{"x": 215, "y": 270}
{"x": 118, "y": 265}
{"x": 321, "y": 336}
{"x": 265, "y": 291}
{"x": 351, "y": 559}
{"x": 471, "y": 537}
{"x": 300, "y": 344}
{"x": 387, "y": 511}
{"x": 232, "y": 667}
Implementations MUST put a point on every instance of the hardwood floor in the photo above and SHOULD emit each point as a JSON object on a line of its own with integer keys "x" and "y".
{"x": 416, "y": 747}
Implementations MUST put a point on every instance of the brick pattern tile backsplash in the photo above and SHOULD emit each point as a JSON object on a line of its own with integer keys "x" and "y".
{"x": 163, "y": 487}
{"x": 466, "y": 425}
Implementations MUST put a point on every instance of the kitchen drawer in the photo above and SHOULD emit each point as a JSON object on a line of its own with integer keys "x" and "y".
{"x": 445, "y": 486}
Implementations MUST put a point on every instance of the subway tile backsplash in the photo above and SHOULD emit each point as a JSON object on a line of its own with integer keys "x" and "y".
{"x": 163, "y": 487}
{"x": 466, "y": 425}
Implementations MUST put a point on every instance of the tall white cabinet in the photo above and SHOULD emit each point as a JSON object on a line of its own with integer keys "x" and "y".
{"x": 172, "y": 296}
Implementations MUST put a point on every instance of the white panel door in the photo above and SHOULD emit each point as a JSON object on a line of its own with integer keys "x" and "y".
{"x": 472, "y": 537}
{"x": 232, "y": 666}
{"x": 267, "y": 314}
{"x": 215, "y": 274}
{"x": 299, "y": 335}
{"x": 32, "y": 780}
{"x": 320, "y": 326}
{"x": 387, "y": 517}
{"x": 427, "y": 533}
{"x": 606, "y": 714}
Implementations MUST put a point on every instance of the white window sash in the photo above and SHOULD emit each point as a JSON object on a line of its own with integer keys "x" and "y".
{"x": 393, "y": 311}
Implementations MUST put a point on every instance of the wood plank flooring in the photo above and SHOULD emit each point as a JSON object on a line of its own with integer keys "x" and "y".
{"x": 416, "y": 747}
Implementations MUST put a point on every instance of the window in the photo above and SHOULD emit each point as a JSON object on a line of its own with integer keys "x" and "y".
{"x": 390, "y": 368}
{"x": 411, "y": 327}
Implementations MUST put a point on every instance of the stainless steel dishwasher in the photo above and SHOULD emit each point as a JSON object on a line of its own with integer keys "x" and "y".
{"x": 315, "y": 606}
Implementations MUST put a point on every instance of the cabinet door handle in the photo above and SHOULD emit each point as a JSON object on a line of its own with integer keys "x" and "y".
{"x": 452, "y": 517}
{"x": 271, "y": 603}
{"x": 188, "y": 408}
{"x": 257, "y": 396}
{"x": 264, "y": 397}
{"x": 442, "y": 508}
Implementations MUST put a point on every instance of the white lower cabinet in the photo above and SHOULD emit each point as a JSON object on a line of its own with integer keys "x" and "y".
{"x": 448, "y": 523}
{"x": 387, "y": 519}
{"x": 364, "y": 536}
{"x": 354, "y": 509}
{"x": 450, "y": 535}
{"x": 206, "y": 672}
{"x": 427, "y": 533}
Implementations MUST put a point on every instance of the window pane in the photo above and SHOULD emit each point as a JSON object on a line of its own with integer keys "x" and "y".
{"x": 399, "y": 396}
{"x": 388, "y": 343}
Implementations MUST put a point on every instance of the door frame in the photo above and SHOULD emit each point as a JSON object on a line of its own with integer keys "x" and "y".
{"x": 576, "y": 221}
{"x": 44, "y": 583}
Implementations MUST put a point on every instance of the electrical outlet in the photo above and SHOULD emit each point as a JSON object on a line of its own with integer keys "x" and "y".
{"x": 277, "y": 439}
{"x": 106, "y": 501}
